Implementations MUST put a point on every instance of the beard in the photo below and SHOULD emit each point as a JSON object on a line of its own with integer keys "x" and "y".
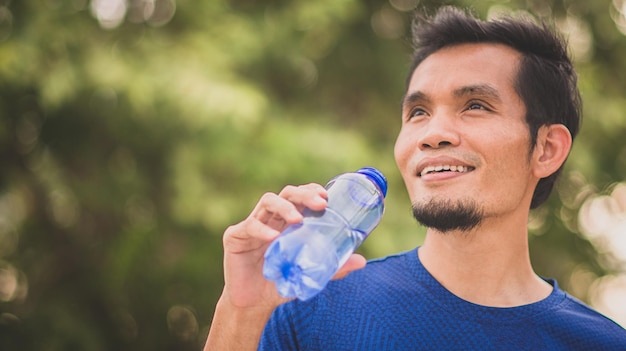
{"x": 447, "y": 215}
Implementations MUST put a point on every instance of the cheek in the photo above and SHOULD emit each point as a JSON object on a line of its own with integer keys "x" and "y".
{"x": 403, "y": 151}
{"x": 511, "y": 160}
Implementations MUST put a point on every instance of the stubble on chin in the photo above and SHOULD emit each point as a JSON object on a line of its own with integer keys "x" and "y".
{"x": 445, "y": 215}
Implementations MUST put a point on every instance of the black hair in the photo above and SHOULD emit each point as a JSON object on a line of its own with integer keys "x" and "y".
{"x": 546, "y": 80}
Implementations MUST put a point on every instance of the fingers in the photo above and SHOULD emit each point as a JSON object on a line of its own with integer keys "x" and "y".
{"x": 272, "y": 206}
{"x": 313, "y": 196}
{"x": 288, "y": 204}
{"x": 272, "y": 214}
{"x": 354, "y": 262}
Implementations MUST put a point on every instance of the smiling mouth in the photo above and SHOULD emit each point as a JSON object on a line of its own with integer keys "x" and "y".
{"x": 445, "y": 168}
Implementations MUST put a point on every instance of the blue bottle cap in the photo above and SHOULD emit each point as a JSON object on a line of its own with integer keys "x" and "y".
{"x": 375, "y": 175}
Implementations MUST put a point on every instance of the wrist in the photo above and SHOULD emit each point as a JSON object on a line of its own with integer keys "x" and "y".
{"x": 237, "y": 327}
{"x": 263, "y": 309}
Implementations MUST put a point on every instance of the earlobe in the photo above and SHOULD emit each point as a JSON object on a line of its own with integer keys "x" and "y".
{"x": 553, "y": 146}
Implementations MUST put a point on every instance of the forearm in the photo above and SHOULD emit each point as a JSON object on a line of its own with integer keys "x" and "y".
{"x": 235, "y": 328}
{"x": 249, "y": 299}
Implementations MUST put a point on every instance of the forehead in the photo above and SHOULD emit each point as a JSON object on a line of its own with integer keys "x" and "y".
{"x": 465, "y": 65}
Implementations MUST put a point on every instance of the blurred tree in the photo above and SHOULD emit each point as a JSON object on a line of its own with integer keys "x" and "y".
{"x": 132, "y": 132}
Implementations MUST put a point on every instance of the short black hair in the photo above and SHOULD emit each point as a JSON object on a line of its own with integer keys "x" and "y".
{"x": 546, "y": 80}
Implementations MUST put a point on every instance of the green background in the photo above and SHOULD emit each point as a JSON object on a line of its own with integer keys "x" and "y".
{"x": 128, "y": 145}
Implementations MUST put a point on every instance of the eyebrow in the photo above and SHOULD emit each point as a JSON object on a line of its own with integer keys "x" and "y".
{"x": 413, "y": 98}
{"x": 480, "y": 90}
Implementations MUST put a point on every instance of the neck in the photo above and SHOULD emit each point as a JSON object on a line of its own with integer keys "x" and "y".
{"x": 488, "y": 266}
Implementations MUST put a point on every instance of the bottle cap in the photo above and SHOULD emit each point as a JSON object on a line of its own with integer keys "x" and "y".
{"x": 376, "y": 176}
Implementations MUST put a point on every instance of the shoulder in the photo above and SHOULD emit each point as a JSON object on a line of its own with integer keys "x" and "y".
{"x": 580, "y": 322}
{"x": 578, "y": 312}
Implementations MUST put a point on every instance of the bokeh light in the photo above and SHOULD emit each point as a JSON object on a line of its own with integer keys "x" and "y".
{"x": 6, "y": 22}
{"x": 578, "y": 36}
{"x": 111, "y": 13}
{"x": 182, "y": 322}
{"x": 602, "y": 219}
{"x": 13, "y": 285}
{"x": 618, "y": 14}
{"x": 388, "y": 23}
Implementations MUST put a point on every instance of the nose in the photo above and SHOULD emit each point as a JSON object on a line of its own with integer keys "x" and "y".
{"x": 441, "y": 131}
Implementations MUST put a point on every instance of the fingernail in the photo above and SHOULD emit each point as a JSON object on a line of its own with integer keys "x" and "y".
{"x": 320, "y": 200}
{"x": 295, "y": 214}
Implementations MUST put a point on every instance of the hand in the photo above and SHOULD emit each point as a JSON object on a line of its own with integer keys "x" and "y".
{"x": 245, "y": 244}
{"x": 248, "y": 299}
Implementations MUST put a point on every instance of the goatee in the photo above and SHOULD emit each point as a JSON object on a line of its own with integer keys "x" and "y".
{"x": 448, "y": 215}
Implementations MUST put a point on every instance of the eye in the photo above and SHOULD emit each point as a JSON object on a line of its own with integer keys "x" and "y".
{"x": 476, "y": 106}
{"x": 416, "y": 112}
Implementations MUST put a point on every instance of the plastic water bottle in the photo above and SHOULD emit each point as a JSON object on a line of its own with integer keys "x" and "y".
{"x": 305, "y": 256}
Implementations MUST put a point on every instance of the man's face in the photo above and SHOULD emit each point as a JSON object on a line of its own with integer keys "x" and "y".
{"x": 464, "y": 139}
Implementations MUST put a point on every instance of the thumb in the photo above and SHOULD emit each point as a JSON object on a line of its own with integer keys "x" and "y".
{"x": 354, "y": 262}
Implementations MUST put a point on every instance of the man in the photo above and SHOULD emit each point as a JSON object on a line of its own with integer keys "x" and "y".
{"x": 488, "y": 119}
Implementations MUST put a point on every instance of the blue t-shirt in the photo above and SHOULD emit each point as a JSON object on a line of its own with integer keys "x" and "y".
{"x": 395, "y": 304}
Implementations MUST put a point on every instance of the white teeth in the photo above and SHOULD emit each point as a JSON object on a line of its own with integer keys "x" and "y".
{"x": 438, "y": 168}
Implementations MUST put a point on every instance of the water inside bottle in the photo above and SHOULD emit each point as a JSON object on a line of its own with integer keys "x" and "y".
{"x": 301, "y": 264}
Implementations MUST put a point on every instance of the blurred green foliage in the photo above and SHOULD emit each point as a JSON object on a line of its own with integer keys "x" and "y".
{"x": 129, "y": 143}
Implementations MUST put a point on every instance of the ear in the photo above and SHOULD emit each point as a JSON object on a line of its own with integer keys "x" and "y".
{"x": 554, "y": 142}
